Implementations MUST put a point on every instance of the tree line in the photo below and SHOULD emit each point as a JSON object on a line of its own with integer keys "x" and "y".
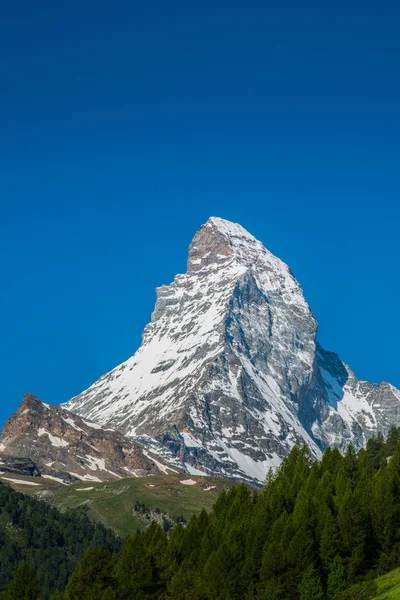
{"x": 53, "y": 544}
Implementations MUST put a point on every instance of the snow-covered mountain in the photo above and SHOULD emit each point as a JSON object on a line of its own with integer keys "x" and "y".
{"x": 229, "y": 374}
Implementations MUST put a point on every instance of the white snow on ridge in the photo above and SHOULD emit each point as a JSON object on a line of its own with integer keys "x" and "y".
{"x": 71, "y": 422}
{"x": 346, "y": 402}
{"x": 335, "y": 390}
{"x": 54, "y": 479}
{"x": 163, "y": 468}
{"x": 95, "y": 463}
{"x": 192, "y": 471}
{"x": 255, "y": 469}
{"x": 19, "y": 481}
{"x": 190, "y": 440}
{"x": 92, "y": 425}
{"x": 85, "y": 477}
{"x": 55, "y": 441}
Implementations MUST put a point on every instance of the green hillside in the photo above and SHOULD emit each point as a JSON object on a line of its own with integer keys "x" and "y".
{"x": 388, "y": 586}
{"x": 113, "y": 503}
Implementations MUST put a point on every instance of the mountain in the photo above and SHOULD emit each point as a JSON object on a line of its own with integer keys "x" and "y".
{"x": 229, "y": 375}
{"x": 49, "y": 441}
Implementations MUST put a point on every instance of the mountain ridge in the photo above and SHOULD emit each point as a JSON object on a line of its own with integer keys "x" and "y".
{"x": 59, "y": 445}
{"x": 229, "y": 375}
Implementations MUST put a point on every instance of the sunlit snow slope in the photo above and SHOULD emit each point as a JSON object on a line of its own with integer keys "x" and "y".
{"x": 229, "y": 374}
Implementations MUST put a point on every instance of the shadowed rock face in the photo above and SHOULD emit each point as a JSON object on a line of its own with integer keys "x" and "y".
{"x": 229, "y": 374}
{"x": 60, "y": 445}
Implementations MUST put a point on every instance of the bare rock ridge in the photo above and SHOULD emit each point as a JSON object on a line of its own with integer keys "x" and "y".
{"x": 48, "y": 441}
{"x": 229, "y": 374}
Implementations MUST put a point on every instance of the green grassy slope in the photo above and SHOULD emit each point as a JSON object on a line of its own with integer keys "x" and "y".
{"x": 113, "y": 503}
{"x": 388, "y": 586}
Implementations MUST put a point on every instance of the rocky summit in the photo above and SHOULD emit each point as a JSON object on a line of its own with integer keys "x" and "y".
{"x": 48, "y": 441}
{"x": 229, "y": 375}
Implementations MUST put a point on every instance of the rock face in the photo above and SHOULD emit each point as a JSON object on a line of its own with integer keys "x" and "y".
{"x": 355, "y": 410}
{"x": 229, "y": 374}
{"x": 64, "y": 447}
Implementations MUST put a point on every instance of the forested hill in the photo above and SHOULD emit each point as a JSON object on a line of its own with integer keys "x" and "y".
{"x": 318, "y": 531}
{"x": 51, "y": 542}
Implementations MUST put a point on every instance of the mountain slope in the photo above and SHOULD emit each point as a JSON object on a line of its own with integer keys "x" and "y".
{"x": 229, "y": 374}
{"x": 60, "y": 445}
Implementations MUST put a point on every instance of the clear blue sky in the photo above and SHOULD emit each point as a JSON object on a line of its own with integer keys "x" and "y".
{"x": 125, "y": 125}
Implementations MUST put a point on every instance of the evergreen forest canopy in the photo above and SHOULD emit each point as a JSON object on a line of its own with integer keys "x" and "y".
{"x": 45, "y": 542}
{"x": 317, "y": 531}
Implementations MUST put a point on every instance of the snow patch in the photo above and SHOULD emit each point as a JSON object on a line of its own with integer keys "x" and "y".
{"x": 193, "y": 471}
{"x": 92, "y": 425}
{"x": 73, "y": 424}
{"x": 55, "y": 441}
{"x": 86, "y": 477}
{"x": 163, "y": 468}
{"x": 54, "y": 479}
{"x": 96, "y": 464}
{"x": 190, "y": 440}
{"x": 19, "y": 481}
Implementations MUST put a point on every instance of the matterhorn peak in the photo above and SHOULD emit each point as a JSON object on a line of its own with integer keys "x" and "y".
{"x": 221, "y": 239}
{"x": 229, "y": 229}
{"x": 229, "y": 375}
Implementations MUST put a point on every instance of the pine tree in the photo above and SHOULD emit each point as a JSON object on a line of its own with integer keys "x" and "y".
{"x": 375, "y": 449}
{"x": 352, "y": 526}
{"x": 93, "y": 578}
{"x": 272, "y": 571}
{"x": 140, "y": 567}
{"x": 330, "y": 540}
{"x": 109, "y": 594}
{"x": 311, "y": 586}
{"x": 24, "y": 585}
{"x": 336, "y": 580}
{"x": 392, "y": 440}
